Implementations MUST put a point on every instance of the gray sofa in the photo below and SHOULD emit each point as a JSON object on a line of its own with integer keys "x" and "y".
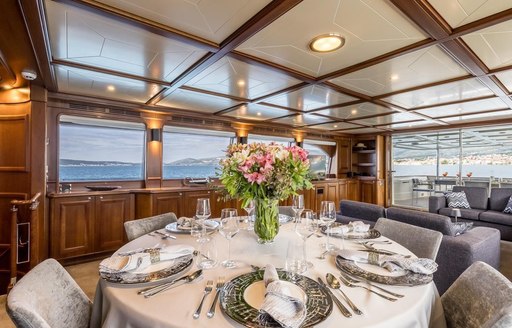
{"x": 456, "y": 253}
{"x": 485, "y": 211}
{"x": 357, "y": 211}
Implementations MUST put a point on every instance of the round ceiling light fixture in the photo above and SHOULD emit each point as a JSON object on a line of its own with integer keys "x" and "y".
{"x": 327, "y": 42}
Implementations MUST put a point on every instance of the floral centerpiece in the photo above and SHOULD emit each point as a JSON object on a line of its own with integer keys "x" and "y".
{"x": 267, "y": 174}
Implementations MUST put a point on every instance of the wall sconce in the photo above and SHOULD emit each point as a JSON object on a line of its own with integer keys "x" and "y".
{"x": 155, "y": 135}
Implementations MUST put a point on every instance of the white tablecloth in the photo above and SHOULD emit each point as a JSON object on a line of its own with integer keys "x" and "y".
{"x": 120, "y": 306}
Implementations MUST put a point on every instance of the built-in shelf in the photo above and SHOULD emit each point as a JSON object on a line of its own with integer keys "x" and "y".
{"x": 366, "y": 151}
{"x": 364, "y": 164}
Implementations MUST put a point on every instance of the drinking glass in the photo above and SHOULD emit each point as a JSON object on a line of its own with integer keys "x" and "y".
{"x": 207, "y": 254}
{"x": 297, "y": 205}
{"x": 327, "y": 216}
{"x": 203, "y": 212}
{"x": 295, "y": 261}
{"x": 229, "y": 228}
{"x": 249, "y": 208}
{"x": 305, "y": 227}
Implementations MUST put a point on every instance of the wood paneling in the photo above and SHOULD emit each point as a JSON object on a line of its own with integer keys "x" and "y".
{"x": 14, "y": 143}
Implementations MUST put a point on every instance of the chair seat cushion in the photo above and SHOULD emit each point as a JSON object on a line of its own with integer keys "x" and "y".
{"x": 496, "y": 217}
{"x": 471, "y": 214}
{"x": 457, "y": 200}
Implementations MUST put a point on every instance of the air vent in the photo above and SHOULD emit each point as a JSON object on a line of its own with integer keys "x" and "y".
{"x": 78, "y": 106}
{"x": 116, "y": 111}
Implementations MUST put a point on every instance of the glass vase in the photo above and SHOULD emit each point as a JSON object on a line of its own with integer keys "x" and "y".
{"x": 266, "y": 224}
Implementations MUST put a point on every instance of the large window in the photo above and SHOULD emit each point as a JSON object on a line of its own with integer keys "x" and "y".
{"x": 193, "y": 153}
{"x": 268, "y": 139}
{"x": 100, "y": 150}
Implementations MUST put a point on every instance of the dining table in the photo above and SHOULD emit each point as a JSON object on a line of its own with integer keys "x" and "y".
{"x": 119, "y": 305}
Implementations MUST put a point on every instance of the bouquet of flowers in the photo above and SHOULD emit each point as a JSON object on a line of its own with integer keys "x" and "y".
{"x": 267, "y": 174}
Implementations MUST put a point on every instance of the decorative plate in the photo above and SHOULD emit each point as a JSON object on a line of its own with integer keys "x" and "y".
{"x": 234, "y": 304}
{"x": 102, "y": 188}
{"x": 408, "y": 279}
{"x": 174, "y": 227}
{"x": 370, "y": 234}
{"x": 154, "y": 273}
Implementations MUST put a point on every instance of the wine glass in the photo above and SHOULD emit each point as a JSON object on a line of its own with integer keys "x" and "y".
{"x": 229, "y": 228}
{"x": 305, "y": 227}
{"x": 295, "y": 261}
{"x": 203, "y": 212}
{"x": 298, "y": 205}
{"x": 249, "y": 208}
{"x": 327, "y": 216}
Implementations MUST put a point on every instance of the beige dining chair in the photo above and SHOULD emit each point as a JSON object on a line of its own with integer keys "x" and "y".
{"x": 137, "y": 228}
{"x": 48, "y": 297}
{"x": 422, "y": 242}
{"x": 481, "y": 297}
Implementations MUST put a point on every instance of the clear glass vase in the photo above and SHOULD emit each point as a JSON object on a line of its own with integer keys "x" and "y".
{"x": 266, "y": 224}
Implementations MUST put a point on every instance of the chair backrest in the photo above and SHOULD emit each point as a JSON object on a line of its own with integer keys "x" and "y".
{"x": 48, "y": 297}
{"x": 137, "y": 228}
{"x": 286, "y": 210}
{"x": 361, "y": 210}
{"x": 480, "y": 297}
{"x": 421, "y": 241}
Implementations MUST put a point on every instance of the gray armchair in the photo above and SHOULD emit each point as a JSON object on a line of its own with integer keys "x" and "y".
{"x": 137, "y": 228}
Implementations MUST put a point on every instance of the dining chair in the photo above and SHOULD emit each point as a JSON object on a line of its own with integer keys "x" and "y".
{"x": 48, "y": 297}
{"x": 137, "y": 228}
{"x": 422, "y": 242}
{"x": 480, "y": 297}
{"x": 286, "y": 210}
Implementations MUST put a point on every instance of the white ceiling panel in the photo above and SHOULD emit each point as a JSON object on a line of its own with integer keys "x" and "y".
{"x": 391, "y": 118}
{"x": 462, "y": 12}
{"x": 211, "y": 20}
{"x": 257, "y": 112}
{"x": 443, "y": 93}
{"x": 465, "y": 108}
{"x": 302, "y": 119}
{"x": 82, "y": 82}
{"x": 355, "y": 111}
{"x": 195, "y": 101}
{"x": 506, "y": 79}
{"x": 82, "y": 37}
{"x": 409, "y": 125}
{"x": 417, "y": 68}
{"x": 234, "y": 77}
{"x": 286, "y": 40}
{"x": 492, "y": 44}
{"x": 334, "y": 126}
{"x": 310, "y": 98}
{"x": 365, "y": 130}
{"x": 505, "y": 114}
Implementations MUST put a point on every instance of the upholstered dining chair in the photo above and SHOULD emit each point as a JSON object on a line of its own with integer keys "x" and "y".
{"x": 137, "y": 228}
{"x": 421, "y": 241}
{"x": 48, "y": 297}
{"x": 480, "y": 297}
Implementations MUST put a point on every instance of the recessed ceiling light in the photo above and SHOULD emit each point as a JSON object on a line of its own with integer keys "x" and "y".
{"x": 394, "y": 77}
{"x": 327, "y": 42}
{"x": 241, "y": 83}
{"x": 334, "y": 126}
{"x": 353, "y": 111}
{"x": 111, "y": 88}
{"x": 258, "y": 113}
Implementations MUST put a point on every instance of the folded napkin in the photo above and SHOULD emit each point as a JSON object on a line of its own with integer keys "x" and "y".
{"x": 186, "y": 223}
{"x": 392, "y": 263}
{"x": 353, "y": 226}
{"x": 126, "y": 263}
{"x": 284, "y": 301}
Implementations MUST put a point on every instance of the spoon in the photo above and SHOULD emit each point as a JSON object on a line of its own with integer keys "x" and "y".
{"x": 335, "y": 284}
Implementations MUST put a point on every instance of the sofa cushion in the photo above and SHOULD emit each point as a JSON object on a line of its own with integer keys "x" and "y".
{"x": 499, "y": 198}
{"x": 361, "y": 211}
{"x": 457, "y": 200}
{"x": 508, "y": 208}
{"x": 477, "y": 196}
{"x": 465, "y": 213}
{"x": 461, "y": 227}
{"x": 496, "y": 217}
{"x": 436, "y": 222}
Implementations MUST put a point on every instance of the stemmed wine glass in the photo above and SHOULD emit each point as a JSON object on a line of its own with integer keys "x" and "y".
{"x": 249, "y": 208}
{"x": 305, "y": 227}
{"x": 229, "y": 228}
{"x": 297, "y": 205}
{"x": 327, "y": 216}
{"x": 203, "y": 212}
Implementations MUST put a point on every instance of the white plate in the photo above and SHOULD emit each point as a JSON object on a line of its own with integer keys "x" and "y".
{"x": 173, "y": 227}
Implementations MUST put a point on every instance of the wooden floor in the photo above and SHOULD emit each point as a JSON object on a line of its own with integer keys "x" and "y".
{"x": 86, "y": 275}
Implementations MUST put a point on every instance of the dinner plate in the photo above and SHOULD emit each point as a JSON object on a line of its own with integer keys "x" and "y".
{"x": 408, "y": 278}
{"x": 154, "y": 273}
{"x": 174, "y": 227}
{"x": 370, "y": 234}
{"x": 241, "y": 297}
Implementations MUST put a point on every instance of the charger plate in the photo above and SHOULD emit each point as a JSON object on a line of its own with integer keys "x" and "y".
{"x": 408, "y": 279}
{"x": 235, "y": 305}
{"x": 370, "y": 234}
{"x": 154, "y": 273}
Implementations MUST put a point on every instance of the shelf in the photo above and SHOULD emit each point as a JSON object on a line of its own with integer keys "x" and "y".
{"x": 366, "y": 151}
{"x": 364, "y": 164}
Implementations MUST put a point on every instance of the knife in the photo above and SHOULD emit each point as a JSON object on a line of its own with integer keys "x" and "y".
{"x": 151, "y": 291}
{"x": 342, "y": 307}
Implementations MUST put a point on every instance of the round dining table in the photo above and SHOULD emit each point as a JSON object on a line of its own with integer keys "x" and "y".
{"x": 119, "y": 305}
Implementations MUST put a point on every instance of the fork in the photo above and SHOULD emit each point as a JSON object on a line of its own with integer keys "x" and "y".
{"x": 218, "y": 288}
{"x": 349, "y": 284}
{"x": 355, "y": 281}
{"x": 207, "y": 290}
{"x": 164, "y": 235}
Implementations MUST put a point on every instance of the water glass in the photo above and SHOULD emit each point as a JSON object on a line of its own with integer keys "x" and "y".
{"x": 207, "y": 254}
{"x": 249, "y": 208}
{"x": 203, "y": 212}
{"x": 297, "y": 205}
{"x": 327, "y": 217}
{"x": 305, "y": 227}
{"x": 295, "y": 258}
{"x": 229, "y": 227}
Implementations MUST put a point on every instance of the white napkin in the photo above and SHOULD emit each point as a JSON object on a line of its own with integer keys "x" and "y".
{"x": 284, "y": 301}
{"x": 353, "y": 226}
{"x": 391, "y": 262}
{"x": 119, "y": 263}
{"x": 186, "y": 223}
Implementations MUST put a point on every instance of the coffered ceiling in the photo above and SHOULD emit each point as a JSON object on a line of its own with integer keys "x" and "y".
{"x": 405, "y": 64}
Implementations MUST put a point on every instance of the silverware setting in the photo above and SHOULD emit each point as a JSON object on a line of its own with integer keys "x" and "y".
{"x": 139, "y": 250}
{"x": 151, "y": 291}
{"x": 349, "y": 284}
{"x": 207, "y": 290}
{"x": 322, "y": 256}
{"x": 165, "y": 235}
{"x": 221, "y": 281}
{"x": 335, "y": 284}
{"x": 336, "y": 301}
{"x": 356, "y": 281}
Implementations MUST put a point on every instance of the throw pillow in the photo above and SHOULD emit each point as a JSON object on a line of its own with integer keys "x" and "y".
{"x": 508, "y": 208}
{"x": 461, "y": 227}
{"x": 457, "y": 200}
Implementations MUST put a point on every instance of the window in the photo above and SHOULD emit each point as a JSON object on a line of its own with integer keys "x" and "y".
{"x": 268, "y": 139}
{"x": 193, "y": 153}
{"x": 321, "y": 153}
{"x": 100, "y": 150}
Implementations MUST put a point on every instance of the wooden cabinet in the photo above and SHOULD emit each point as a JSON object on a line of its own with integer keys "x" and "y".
{"x": 82, "y": 225}
{"x": 367, "y": 191}
{"x": 353, "y": 192}
{"x": 189, "y": 201}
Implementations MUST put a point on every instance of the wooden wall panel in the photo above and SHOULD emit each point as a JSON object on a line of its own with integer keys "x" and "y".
{"x": 14, "y": 143}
